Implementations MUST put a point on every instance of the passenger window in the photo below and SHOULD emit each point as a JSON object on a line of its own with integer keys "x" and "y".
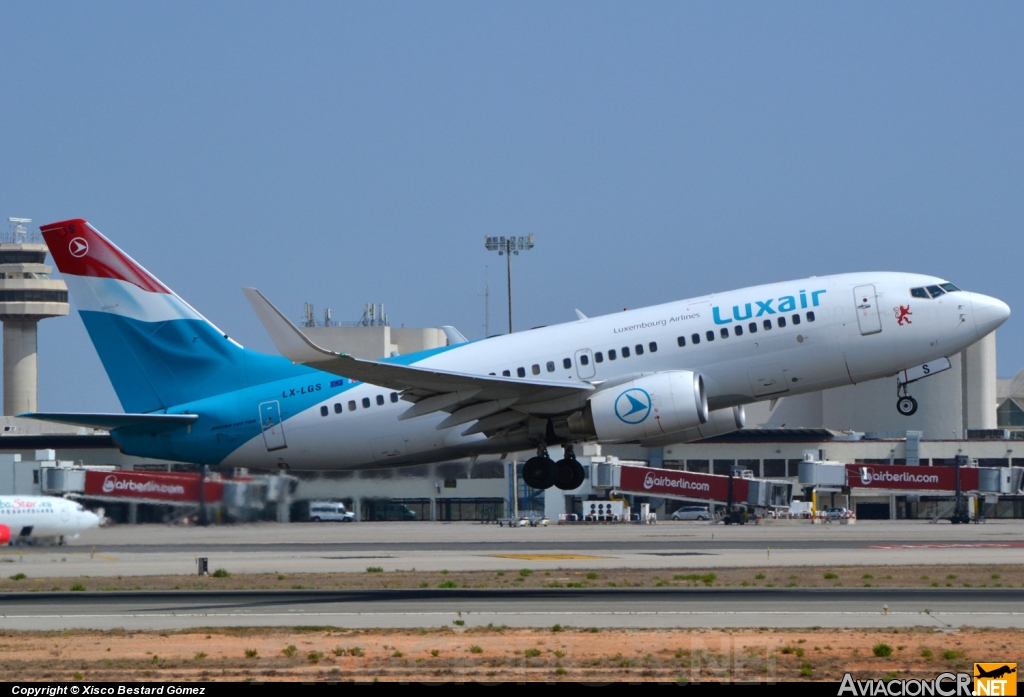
{"x": 380, "y": 400}
{"x": 738, "y": 330}
{"x": 919, "y": 293}
{"x": 752, "y": 327}
{"x": 796, "y": 319}
{"x": 695, "y": 338}
{"x": 535, "y": 369}
{"x": 337, "y": 407}
{"x": 394, "y": 396}
{"x": 566, "y": 363}
{"x": 323, "y": 411}
{"x": 625, "y": 352}
{"x": 521, "y": 372}
{"x": 653, "y": 346}
{"x": 639, "y": 349}
{"x": 724, "y": 332}
{"x": 584, "y": 359}
{"x": 782, "y": 322}
{"x": 352, "y": 405}
{"x": 936, "y": 291}
{"x": 551, "y": 366}
{"x": 767, "y": 324}
{"x": 599, "y": 357}
{"x": 681, "y": 340}
{"x": 366, "y": 402}
{"x": 710, "y": 335}
{"x": 506, "y": 373}
{"x": 611, "y": 354}
{"x": 810, "y": 316}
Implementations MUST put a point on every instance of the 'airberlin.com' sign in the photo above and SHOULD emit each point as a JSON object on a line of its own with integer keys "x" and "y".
{"x": 693, "y": 485}
{"x": 939, "y": 478}
{"x": 150, "y": 485}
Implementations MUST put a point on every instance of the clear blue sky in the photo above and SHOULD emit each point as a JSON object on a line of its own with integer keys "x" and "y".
{"x": 341, "y": 153}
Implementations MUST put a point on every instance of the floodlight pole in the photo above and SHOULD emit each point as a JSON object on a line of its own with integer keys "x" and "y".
{"x": 509, "y": 246}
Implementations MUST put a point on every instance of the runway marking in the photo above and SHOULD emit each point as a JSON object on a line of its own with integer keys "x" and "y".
{"x": 548, "y": 557}
{"x": 944, "y": 545}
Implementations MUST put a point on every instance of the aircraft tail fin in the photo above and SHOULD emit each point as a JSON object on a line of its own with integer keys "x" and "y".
{"x": 156, "y": 348}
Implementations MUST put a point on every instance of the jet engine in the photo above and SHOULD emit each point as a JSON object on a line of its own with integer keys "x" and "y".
{"x": 644, "y": 408}
{"x": 720, "y": 422}
{"x": 5, "y": 534}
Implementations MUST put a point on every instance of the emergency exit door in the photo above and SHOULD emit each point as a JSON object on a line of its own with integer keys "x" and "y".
{"x": 273, "y": 429}
{"x": 866, "y": 302}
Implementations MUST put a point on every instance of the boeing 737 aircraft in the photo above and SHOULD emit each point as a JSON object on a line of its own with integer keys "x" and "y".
{"x": 42, "y": 519}
{"x": 663, "y": 374}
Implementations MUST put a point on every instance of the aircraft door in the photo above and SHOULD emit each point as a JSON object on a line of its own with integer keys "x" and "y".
{"x": 866, "y": 302}
{"x": 585, "y": 363}
{"x": 65, "y": 514}
{"x": 273, "y": 429}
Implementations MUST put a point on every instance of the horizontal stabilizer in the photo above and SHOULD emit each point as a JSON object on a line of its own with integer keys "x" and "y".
{"x": 153, "y": 423}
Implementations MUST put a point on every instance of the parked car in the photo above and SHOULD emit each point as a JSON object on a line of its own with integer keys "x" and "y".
{"x": 835, "y": 513}
{"x": 692, "y": 513}
{"x": 330, "y": 511}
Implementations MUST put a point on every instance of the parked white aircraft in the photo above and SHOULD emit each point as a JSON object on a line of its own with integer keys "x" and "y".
{"x": 42, "y": 519}
{"x": 662, "y": 374}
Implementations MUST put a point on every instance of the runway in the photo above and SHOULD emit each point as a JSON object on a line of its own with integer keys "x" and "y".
{"x": 349, "y": 548}
{"x": 657, "y": 607}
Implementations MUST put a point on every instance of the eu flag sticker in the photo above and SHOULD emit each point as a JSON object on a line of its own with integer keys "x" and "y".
{"x": 337, "y": 383}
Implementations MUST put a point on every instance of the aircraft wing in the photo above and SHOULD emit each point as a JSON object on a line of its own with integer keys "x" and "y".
{"x": 496, "y": 402}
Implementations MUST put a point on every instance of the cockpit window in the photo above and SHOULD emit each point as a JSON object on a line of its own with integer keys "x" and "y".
{"x": 949, "y": 287}
{"x": 919, "y": 293}
{"x": 936, "y": 291}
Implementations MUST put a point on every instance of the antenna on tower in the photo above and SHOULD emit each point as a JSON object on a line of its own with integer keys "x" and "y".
{"x": 18, "y": 234}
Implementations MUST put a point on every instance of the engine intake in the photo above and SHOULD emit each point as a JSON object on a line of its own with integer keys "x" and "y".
{"x": 647, "y": 407}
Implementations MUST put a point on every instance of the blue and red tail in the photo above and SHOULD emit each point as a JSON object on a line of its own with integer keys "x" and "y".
{"x": 157, "y": 350}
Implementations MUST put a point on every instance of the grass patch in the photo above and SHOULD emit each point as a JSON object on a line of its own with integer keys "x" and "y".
{"x": 221, "y": 573}
{"x": 881, "y": 650}
{"x": 374, "y": 569}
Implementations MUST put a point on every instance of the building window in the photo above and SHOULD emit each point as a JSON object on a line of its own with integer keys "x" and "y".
{"x": 352, "y": 405}
{"x": 611, "y": 354}
{"x": 566, "y": 363}
{"x": 380, "y": 400}
{"x": 653, "y": 346}
{"x": 639, "y": 349}
{"x": 551, "y": 366}
{"x": 535, "y": 369}
{"x": 394, "y": 396}
{"x": 738, "y": 330}
{"x": 584, "y": 359}
{"x": 599, "y": 357}
{"x": 782, "y": 322}
{"x": 725, "y": 332}
{"x": 366, "y": 402}
{"x": 810, "y": 316}
{"x": 625, "y": 352}
{"x": 767, "y": 324}
{"x": 681, "y": 341}
{"x": 521, "y": 372}
{"x": 337, "y": 407}
{"x": 710, "y": 335}
{"x": 323, "y": 411}
{"x": 796, "y": 319}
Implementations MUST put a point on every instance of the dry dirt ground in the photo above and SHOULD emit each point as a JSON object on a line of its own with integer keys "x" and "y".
{"x": 773, "y": 577}
{"x": 493, "y": 654}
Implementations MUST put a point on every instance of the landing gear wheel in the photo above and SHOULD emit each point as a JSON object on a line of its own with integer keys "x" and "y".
{"x": 906, "y": 405}
{"x": 540, "y": 472}
{"x": 571, "y": 474}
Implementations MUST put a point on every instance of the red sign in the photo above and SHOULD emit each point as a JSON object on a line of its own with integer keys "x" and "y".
{"x": 164, "y": 486}
{"x": 690, "y": 485}
{"x": 938, "y": 478}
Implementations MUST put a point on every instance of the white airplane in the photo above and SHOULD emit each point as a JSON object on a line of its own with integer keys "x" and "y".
{"x": 45, "y": 519}
{"x": 661, "y": 374}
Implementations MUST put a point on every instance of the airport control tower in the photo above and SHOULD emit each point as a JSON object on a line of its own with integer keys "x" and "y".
{"x": 27, "y": 295}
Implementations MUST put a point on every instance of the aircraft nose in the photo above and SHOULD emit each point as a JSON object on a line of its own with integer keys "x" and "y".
{"x": 989, "y": 313}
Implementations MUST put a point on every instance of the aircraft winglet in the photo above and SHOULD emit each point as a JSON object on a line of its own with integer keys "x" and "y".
{"x": 290, "y": 342}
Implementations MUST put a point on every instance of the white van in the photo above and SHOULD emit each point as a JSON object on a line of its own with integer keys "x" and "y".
{"x": 330, "y": 511}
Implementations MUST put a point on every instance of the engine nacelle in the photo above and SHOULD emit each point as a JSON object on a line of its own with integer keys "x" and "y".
{"x": 5, "y": 534}
{"x": 720, "y": 422}
{"x": 647, "y": 407}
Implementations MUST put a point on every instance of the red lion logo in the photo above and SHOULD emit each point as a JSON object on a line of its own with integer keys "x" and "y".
{"x": 902, "y": 315}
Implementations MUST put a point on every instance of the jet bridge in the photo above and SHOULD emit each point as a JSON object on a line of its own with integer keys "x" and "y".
{"x": 747, "y": 490}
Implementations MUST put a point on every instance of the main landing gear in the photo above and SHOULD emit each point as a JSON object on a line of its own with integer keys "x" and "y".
{"x": 541, "y": 472}
{"x": 905, "y": 404}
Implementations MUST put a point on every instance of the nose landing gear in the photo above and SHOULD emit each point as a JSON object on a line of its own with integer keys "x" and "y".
{"x": 905, "y": 404}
